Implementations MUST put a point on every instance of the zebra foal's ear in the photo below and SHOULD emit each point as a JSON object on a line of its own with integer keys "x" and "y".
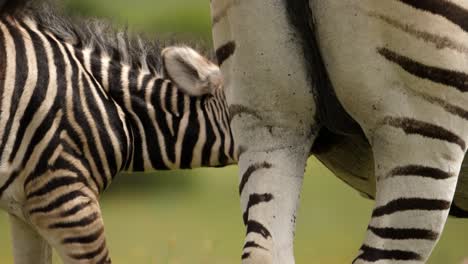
{"x": 190, "y": 71}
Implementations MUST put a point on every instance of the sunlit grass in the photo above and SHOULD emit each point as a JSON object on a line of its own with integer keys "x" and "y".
{"x": 200, "y": 222}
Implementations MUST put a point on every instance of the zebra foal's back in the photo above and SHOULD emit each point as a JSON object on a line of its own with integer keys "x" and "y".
{"x": 50, "y": 110}
{"x": 77, "y": 106}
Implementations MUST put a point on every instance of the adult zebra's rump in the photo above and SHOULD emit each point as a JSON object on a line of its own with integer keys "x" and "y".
{"x": 398, "y": 68}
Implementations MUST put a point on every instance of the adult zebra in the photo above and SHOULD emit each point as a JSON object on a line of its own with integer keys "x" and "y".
{"x": 78, "y": 105}
{"x": 397, "y": 69}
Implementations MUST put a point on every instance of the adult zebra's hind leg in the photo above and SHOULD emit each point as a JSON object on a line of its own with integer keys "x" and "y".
{"x": 269, "y": 89}
{"x": 270, "y": 187}
{"x": 28, "y": 245}
{"x": 417, "y": 166}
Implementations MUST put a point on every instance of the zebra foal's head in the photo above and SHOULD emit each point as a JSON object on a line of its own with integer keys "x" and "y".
{"x": 198, "y": 77}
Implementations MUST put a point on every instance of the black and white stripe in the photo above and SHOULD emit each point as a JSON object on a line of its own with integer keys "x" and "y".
{"x": 397, "y": 67}
{"x": 76, "y": 110}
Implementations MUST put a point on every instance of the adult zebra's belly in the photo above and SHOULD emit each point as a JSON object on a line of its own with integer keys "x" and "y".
{"x": 350, "y": 158}
{"x": 461, "y": 194}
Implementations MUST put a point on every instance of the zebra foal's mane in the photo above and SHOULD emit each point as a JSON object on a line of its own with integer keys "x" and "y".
{"x": 98, "y": 35}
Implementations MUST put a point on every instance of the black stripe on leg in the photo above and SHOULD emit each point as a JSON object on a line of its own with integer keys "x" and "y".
{"x": 85, "y": 221}
{"x": 375, "y": 254}
{"x": 10, "y": 180}
{"x": 256, "y": 227}
{"x": 225, "y": 51}
{"x": 250, "y": 170}
{"x": 105, "y": 259}
{"x": 413, "y": 126}
{"x": 87, "y": 239}
{"x": 52, "y": 185}
{"x": 406, "y": 204}
{"x": 92, "y": 254}
{"x": 246, "y": 255}
{"x": 404, "y": 233}
{"x": 59, "y": 201}
{"x": 452, "y": 12}
{"x": 422, "y": 171}
{"x": 455, "y": 79}
{"x": 75, "y": 209}
{"x": 252, "y": 244}
{"x": 255, "y": 199}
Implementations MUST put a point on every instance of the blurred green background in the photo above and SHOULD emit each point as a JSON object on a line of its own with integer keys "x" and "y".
{"x": 193, "y": 217}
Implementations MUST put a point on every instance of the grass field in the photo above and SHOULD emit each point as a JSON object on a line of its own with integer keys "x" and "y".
{"x": 193, "y": 217}
{"x": 180, "y": 18}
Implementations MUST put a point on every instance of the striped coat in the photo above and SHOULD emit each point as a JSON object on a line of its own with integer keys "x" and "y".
{"x": 79, "y": 104}
{"x": 377, "y": 89}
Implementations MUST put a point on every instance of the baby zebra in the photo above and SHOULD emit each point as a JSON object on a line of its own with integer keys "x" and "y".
{"x": 78, "y": 105}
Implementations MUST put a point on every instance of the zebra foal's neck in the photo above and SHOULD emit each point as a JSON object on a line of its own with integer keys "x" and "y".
{"x": 169, "y": 103}
{"x": 174, "y": 124}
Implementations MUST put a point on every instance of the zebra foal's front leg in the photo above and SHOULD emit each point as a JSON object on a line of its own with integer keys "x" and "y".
{"x": 416, "y": 181}
{"x": 68, "y": 215}
{"x": 28, "y": 245}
